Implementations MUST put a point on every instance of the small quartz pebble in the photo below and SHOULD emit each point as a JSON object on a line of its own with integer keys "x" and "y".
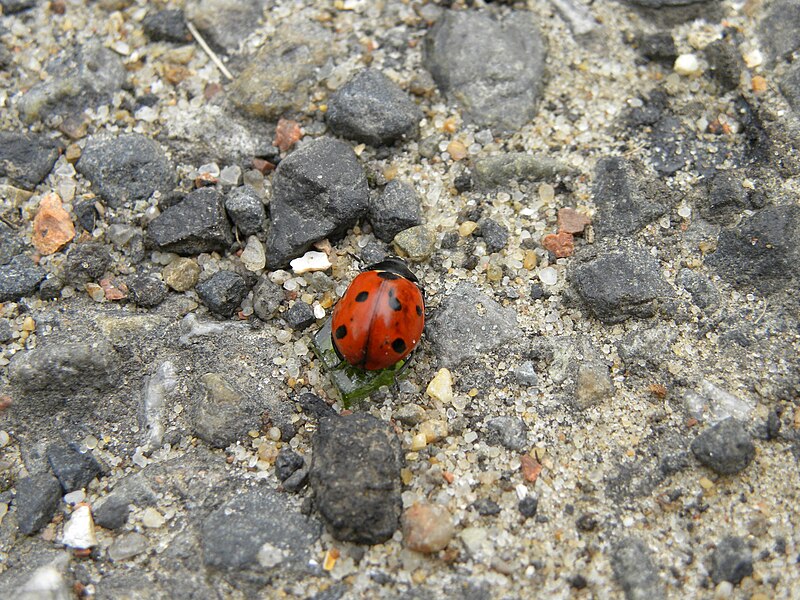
{"x": 427, "y": 528}
{"x": 253, "y": 256}
{"x": 152, "y": 519}
{"x": 441, "y": 386}
{"x": 548, "y": 276}
{"x": 687, "y": 64}
{"x": 79, "y": 530}
{"x": 310, "y": 261}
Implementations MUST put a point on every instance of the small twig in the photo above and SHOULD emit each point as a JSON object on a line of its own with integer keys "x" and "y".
{"x": 211, "y": 54}
{"x": 764, "y": 312}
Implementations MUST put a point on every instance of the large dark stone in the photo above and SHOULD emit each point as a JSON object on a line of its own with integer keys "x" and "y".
{"x": 726, "y": 447}
{"x": 26, "y": 159}
{"x": 197, "y": 224}
{"x": 36, "y": 501}
{"x": 74, "y": 469}
{"x": 393, "y": 210}
{"x": 19, "y": 278}
{"x": 223, "y": 293}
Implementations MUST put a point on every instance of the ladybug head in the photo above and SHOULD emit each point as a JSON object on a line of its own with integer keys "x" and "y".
{"x": 396, "y": 265}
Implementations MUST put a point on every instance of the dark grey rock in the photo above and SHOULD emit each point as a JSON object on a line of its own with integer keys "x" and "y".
{"x": 731, "y": 560}
{"x": 86, "y": 212}
{"x": 371, "y": 108}
{"x": 126, "y": 169}
{"x": 166, "y": 26}
{"x": 726, "y": 447}
{"x": 36, "y": 501}
{"x": 526, "y": 374}
{"x": 658, "y": 47}
{"x": 671, "y": 145}
{"x": 777, "y": 32}
{"x": 299, "y": 316}
{"x": 315, "y": 406}
{"x": 256, "y": 534}
{"x": 486, "y": 507}
{"x": 50, "y": 288}
{"x": 725, "y": 64}
{"x": 622, "y": 281}
{"x": 11, "y": 7}
{"x": 287, "y": 462}
{"x": 393, "y": 210}
{"x": 147, "y": 291}
{"x": 86, "y": 262}
{"x": 220, "y": 414}
{"x": 245, "y": 209}
{"x": 223, "y": 293}
{"x": 225, "y": 24}
{"x": 727, "y": 198}
{"x": 468, "y": 323}
{"x": 502, "y": 169}
{"x": 790, "y": 86}
{"x": 704, "y": 294}
{"x": 297, "y": 480}
{"x": 528, "y": 506}
{"x": 197, "y": 224}
{"x": 81, "y": 78}
{"x": 627, "y": 197}
{"x": 26, "y": 159}
{"x": 6, "y": 331}
{"x": 73, "y": 468}
{"x": 318, "y": 191}
{"x": 19, "y": 278}
{"x": 762, "y": 252}
{"x": 634, "y": 570}
{"x": 509, "y": 432}
{"x": 494, "y": 235}
{"x": 355, "y": 475}
{"x": 267, "y": 299}
{"x": 494, "y": 69}
{"x": 113, "y": 512}
{"x": 11, "y": 244}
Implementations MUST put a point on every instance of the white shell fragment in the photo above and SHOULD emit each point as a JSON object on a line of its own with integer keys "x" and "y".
{"x": 310, "y": 261}
{"x": 79, "y": 530}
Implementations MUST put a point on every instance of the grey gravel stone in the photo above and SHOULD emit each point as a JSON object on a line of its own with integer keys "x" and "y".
{"x": 11, "y": 7}
{"x": 10, "y": 244}
{"x": 494, "y": 235}
{"x": 36, "y": 501}
{"x": 26, "y": 159}
{"x": 19, "y": 278}
{"x": 223, "y": 293}
{"x": 494, "y": 69}
{"x": 83, "y": 77}
{"x": 528, "y": 506}
{"x": 127, "y": 546}
{"x": 526, "y": 374}
{"x": 113, "y": 512}
{"x": 86, "y": 262}
{"x": 468, "y": 323}
{"x": 727, "y": 198}
{"x": 502, "y": 169}
{"x": 725, "y": 64}
{"x": 197, "y": 224}
{"x": 726, "y": 447}
{"x": 393, "y": 210}
{"x": 318, "y": 191}
{"x": 6, "y": 331}
{"x": 635, "y": 571}
{"x": 297, "y": 480}
{"x": 287, "y": 462}
{"x": 245, "y": 209}
{"x": 658, "y": 46}
{"x": 267, "y": 299}
{"x": 73, "y": 468}
{"x": 509, "y": 432}
{"x": 299, "y": 316}
{"x": 355, "y": 475}
{"x": 371, "y": 108}
{"x": 221, "y": 415}
{"x": 704, "y": 293}
{"x": 147, "y": 291}
{"x": 731, "y": 560}
{"x": 126, "y": 169}
{"x": 645, "y": 351}
{"x": 166, "y": 26}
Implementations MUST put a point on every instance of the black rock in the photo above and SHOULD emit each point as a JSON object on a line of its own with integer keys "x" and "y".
{"x": 725, "y": 64}
{"x": 528, "y": 506}
{"x": 587, "y": 522}
{"x": 578, "y": 581}
{"x": 26, "y": 159}
{"x": 463, "y": 182}
{"x": 256, "y": 534}
{"x": 370, "y": 108}
{"x": 113, "y": 512}
{"x": 468, "y": 323}
{"x": 790, "y": 86}
{"x": 393, "y": 210}
{"x": 299, "y": 316}
{"x": 621, "y": 282}
{"x": 486, "y": 507}
{"x": 355, "y": 475}
{"x": 50, "y": 288}
{"x": 704, "y": 293}
{"x": 777, "y": 32}
{"x": 297, "y": 480}
{"x": 449, "y": 240}
{"x": 634, "y": 570}
{"x": 315, "y": 406}
{"x": 318, "y": 191}
{"x": 727, "y": 198}
{"x": 86, "y": 213}
{"x": 86, "y": 262}
{"x": 287, "y": 462}
{"x": 731, "y": 560}
{"x": 762, "y": 252}
{"x": 19, "y": 278}
{"x": 74, "y": 469}
{"x": 197, "y": 224}
{"x": 36, "y": 501}
{"x": 671, "y": 144}
{"x": 493, "y": 68}
{"x": 509, "y": 432}
{"x": 627, "y": 197}
{"x": 11, "y": 244}
{"x": 147, "y": 291}
{"x": 166, "y": 26}
{"x": 267, "y": 299}
{"x": 126, "y": 169}
{"x": 81, "y": 78}
{"x": 245, "y": 209}
{"x": 773, "y": 425}
{"x": 494, "y": 235}
{"x": 6, "y": 331}
{"x": 726, "y": 447}
{"x": 223, "y": 293}
{"x": 658, "y": 47}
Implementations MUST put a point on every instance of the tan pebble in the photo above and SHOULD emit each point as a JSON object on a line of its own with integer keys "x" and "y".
{"x": 457, "y": 150}
{"x": 52, "y": 226}
{"x": 466, "y": 228}
{"x": 28, "y": 324}
{"x": 181, "y": 274}
{"x": 418, "y": 442}
{"x": 441, "y": 386}
{"x": 427, "y": 527}
{"x": 433, "y": 430}
{"x": 530, "y": 261}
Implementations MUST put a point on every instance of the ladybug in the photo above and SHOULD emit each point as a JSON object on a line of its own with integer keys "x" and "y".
{"x": 379, "y": 320}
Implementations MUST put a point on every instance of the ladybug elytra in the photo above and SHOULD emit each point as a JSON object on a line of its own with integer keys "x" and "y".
{"x": 379, "y": 320}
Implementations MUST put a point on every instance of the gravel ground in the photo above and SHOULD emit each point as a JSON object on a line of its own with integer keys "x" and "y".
{"x": 600, "y": 199}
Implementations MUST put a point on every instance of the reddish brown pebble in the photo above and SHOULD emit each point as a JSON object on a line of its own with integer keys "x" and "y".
{"x": 427, "y": 527}
{"x": 5, "y": 402}
{"x": 691, "y": 422}
{"x": 531, "y": 468}
{"x": 448, "y": 476}
{"x": 561, "y": 244}
{"x": 52, "y": 226}
{"x": 204, "y": 180}
{"x": 211, "y": 90}
{"x": 571, "y": 221}
{"x": 263, "y": 166}
{"x": 287, "y": 133}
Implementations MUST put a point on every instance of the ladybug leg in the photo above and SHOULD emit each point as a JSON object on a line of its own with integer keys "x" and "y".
{"x": 396, "y": 384}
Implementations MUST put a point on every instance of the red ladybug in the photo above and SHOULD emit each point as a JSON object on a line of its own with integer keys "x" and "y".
{"x": 379, "y": 320}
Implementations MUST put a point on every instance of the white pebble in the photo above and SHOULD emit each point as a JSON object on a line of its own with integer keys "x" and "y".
{"x": 548, "y": 276}
{"x": 79, "y": 530}
{"x": 4, "y": 439}
{"x": 230, "y": 175}
{"x": 319, "y": 312}
{"x": 311, "y": 261}
{"x": 209, "y": 169}
{"x": 152, "y": 518}
{"x": 75, "y": 497}
{"x": 687, "y": 64}
{"x": 253, "y": 256}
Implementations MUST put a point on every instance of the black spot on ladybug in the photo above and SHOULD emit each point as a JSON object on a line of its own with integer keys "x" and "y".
{"x": 362, "y": 296}
{"x": 399, "y": 346}
{"x": 341, "y": 331}
{"x": 394, "y": 302}
{"x": 419, "y": 310}
{"x": 388, "y": 275}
